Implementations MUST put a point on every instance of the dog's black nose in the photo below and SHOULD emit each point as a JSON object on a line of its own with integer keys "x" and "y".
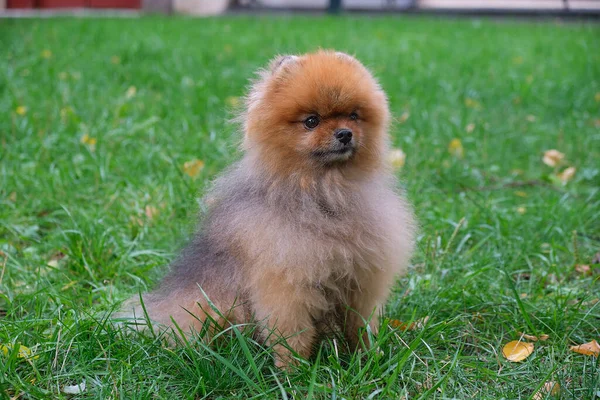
{"x": 343, "y": 135}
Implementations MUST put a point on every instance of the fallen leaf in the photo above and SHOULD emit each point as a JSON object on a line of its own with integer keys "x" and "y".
{"x": 396, "y": 158}
{"x": 131, "y": 91}
{"x": 521, "y": 210}
{"x": 89, "y": 141}
{"x": 533, "y": 338}
{"x": 567, "y": 174}
{"x": 193, "y": 167}
{"x": 75, "y": 389}
{"x": 550, "y": 388}
{"x": 13, "y": 197}
{"x": 56, "y": 257}
{"x": 46, "y": 54}
{"x": 456, "y": 148}
{"x": 21, "y": 110}
{"x": 589, "y": 349}
{"x": 24, "y": 351}
{"x": 150, "y": 211}
{"x": 404, "y": 117}
{"x": 516, "y": 350}
{"x": 418, "y": 324}
{"x": 552, "y": 157}
{"x": 520, "y": 193}
{"x": 583, "y": 269}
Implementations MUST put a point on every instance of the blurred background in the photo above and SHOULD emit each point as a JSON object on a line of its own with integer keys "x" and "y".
{"x": 212, "y": 7}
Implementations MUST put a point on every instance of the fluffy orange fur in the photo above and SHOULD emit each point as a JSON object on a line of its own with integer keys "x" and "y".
{"x": 307, "y": 228}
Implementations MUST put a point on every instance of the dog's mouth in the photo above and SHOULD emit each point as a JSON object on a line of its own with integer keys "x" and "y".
{"x": 333, "y": 155}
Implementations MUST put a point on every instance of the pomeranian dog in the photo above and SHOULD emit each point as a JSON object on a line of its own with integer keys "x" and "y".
{"x": 308, "y": 227}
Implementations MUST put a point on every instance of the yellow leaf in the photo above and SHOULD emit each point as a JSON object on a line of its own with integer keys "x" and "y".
{"x": 520, "y": 193}
{"x": 21, "y": 110}
{"x": 470, "y": 127}
{"x": 115, "y": 60}
{"x": 456, "y": 148}
{"x": 233, "y": 101}
{"x": 516, "y": 351}
{"x": 567, "y": 174}
{"x": 396, "y": 158}
{"x": 193, "y": 167}
{"x": 24, "y": 352}
{"x": 552, "y": 157}
{"x": 550, "y": 388}
{"x": 46, "y": 54}
{"x": 131, "y": 91}
{"x": 471, "y": 103}
{"x": 597, "y": 97}
{"x": 589, "y": 349}
{"x": 404, "y": 117}
{"x": 89, "y": 141}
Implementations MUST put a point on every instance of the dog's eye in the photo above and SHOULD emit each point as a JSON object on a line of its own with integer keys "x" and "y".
{"x": 354, "y": 116}
{"x": 311, "y": 122}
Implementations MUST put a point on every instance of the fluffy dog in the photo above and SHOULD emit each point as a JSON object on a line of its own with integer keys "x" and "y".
{"x": 308, "y": 226}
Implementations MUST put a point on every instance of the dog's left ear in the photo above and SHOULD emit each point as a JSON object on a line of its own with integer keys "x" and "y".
{"x": 282, "y": 61}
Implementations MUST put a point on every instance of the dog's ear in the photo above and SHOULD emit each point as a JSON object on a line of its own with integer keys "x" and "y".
{"x": 280, "y": 62}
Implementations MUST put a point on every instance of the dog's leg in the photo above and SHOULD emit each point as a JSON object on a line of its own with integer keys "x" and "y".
{"x": 287, "y": 311}
{"x": 365, "y": 304}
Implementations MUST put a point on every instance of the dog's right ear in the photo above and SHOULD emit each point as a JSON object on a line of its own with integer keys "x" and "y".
{"x": 280, "y": 62}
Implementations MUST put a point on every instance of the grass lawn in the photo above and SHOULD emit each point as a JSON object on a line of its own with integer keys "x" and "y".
{"x": 98, "y": 118}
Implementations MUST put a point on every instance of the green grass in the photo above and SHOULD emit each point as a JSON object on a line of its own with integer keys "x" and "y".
{"x": 526, "y": 86}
